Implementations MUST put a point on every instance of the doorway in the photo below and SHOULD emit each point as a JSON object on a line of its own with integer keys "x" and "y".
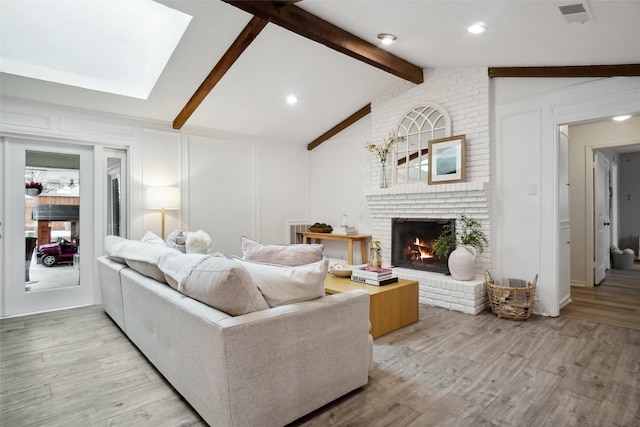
{"x": 52, "y": 220}
{"x": 595, "y": 213}
{"x": 45, "y": 268}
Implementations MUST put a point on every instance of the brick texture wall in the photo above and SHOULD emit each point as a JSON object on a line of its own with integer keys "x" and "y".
{"x": 464, "y": 93}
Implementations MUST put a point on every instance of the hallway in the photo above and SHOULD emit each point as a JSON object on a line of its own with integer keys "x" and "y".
{"x": 616, "y": 301}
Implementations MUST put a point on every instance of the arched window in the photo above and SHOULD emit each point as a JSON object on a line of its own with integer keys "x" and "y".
{"x": 420, "y": 125}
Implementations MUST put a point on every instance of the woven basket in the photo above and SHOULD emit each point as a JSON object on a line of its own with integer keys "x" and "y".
{"x": 511, "y": 303}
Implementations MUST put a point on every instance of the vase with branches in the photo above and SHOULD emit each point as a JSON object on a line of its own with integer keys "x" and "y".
{"x": 382, "y": 151}
{"x": 465, "y": 241}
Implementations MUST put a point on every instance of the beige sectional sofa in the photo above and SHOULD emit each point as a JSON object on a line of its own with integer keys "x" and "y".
{"x": 267, "y": 367}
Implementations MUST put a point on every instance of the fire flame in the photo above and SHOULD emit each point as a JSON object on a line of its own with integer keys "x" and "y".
{"x": 423, "y": 249}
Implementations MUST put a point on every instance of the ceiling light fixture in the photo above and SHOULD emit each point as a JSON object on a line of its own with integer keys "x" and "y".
{"x": 292, "y": 99}
{"x": 622, "y": 118}
{"x": 387, "y": 38}
{"x": 478, "y": 28}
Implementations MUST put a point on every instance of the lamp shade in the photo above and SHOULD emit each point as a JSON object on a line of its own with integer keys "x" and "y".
{"x": 163, "y": 198}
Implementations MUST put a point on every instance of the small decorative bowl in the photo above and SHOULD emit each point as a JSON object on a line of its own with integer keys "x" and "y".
{"x": 320, "y": 230}
{"x": 341, "y": 273}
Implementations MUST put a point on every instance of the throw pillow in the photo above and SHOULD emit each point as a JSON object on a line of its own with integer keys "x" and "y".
{"x": 152, "y": 238}
{"x": 216, "y": 281}
{"x": 281, "y": 284}
{"x": 290, "y": 255}
{"x": 109, "y": 242}
{"x": 198, "y": 242}
{"x": 143, "y": 257}
{"x": 177, "y": 240}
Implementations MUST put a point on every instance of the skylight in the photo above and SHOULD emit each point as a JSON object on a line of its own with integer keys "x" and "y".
{"x": 114, "y": 46}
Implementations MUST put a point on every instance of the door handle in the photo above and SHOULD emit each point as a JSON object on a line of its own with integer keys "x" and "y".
{"x": 606, "y": 223}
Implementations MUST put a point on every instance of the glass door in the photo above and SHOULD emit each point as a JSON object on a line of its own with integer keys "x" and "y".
{"x": 116, "y": 192}
{"x": 52, "y": 220}
{"x": 48, "y": 213}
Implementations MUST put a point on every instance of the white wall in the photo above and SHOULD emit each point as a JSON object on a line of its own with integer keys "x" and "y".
{"x": 339, "y": 171}
{"x": 526, "y": 153}
{"x": 231, "y": 185}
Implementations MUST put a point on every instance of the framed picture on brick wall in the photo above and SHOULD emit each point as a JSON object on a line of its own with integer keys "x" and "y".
{"x": 447, "y": 160}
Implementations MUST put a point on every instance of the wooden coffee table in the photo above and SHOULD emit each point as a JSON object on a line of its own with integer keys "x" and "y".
{"x": 390, "y": 307}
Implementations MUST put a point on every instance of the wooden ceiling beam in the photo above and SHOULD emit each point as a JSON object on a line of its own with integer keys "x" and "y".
{"x": 340, "y": 127}
{"x": 293, "y": 18}
{"x": 246, "y": 37}
{"x": 619, "y": 70}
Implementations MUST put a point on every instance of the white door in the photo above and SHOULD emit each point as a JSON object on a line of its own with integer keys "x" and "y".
{"x": 601, "y": 217}
{"x": 564, "y": 226}
{"x": 71, "y": 284}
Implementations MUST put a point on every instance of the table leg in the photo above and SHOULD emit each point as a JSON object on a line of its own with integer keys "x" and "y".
{"x": 363, "y": 250}
{"x": 350, "y": 251}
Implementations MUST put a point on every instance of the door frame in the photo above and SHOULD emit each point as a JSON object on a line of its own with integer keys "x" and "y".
{"x": 16, "y": 301}
{"x": 597, "y": 157}
{"x": 2, "y": 180}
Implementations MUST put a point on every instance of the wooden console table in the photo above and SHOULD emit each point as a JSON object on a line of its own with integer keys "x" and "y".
{"x": 349, "y": 238}
{"x": 390, "y": 306}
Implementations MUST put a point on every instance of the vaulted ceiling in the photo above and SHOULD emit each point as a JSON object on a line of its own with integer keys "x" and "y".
{"x": 250, "y": 98}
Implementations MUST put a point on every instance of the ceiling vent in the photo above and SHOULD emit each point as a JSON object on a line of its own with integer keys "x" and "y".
{"x": 578, "y": 12}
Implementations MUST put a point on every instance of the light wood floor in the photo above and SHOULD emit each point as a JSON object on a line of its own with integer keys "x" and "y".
{"x": 616, "y": 301}
{"x": 76, "y": 368}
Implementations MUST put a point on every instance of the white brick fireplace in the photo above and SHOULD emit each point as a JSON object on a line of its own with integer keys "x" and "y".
{"x": 443, "y": 201}
{"x": 464, "y": 93}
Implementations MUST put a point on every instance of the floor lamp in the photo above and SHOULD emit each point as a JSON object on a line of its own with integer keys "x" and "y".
{"x": 164, "y": 198}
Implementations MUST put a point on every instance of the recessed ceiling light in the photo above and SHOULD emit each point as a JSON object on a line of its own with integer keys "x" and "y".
{"x": 387, "y": 38}
{"x": 478, "y": 28}
{"x": 292, "y": 99}
{"x": 621, "y": 118}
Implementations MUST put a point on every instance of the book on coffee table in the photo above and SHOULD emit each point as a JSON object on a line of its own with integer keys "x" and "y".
{"x": 375, "y": 273}
{"x": 374, "y": 282}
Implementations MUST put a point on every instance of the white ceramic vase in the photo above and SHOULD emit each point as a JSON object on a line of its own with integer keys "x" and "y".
{"x": 462, "y": 263}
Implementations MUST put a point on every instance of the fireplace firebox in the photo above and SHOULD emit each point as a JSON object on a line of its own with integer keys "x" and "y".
{"x": 412, "y": 243}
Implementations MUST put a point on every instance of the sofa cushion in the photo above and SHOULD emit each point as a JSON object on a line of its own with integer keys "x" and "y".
{"x": 281, "y": 284}
{"x": 176, "y": 269}
{"x": 143, "y": 257}
{"x": 214, "y": 280}
{"x": 109, "y": 242}
{"x": 290, "y": 255}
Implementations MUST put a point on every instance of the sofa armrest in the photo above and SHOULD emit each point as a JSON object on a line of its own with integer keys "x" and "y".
{"x": 288, "y": 361}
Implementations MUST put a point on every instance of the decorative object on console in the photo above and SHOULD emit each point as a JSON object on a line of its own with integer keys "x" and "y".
{"x": 447, "y": 160}
{"x": 32, "y": 188}
{"x": 164, "y": 198}
{"x": 375, "y": 254}
{"x": 320, "y": 227}
{"x": 344, "y": 221}
{"x": 382, "y": 150}
{"x": 467, "y": 241}
{"x": 345, "y": 230}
